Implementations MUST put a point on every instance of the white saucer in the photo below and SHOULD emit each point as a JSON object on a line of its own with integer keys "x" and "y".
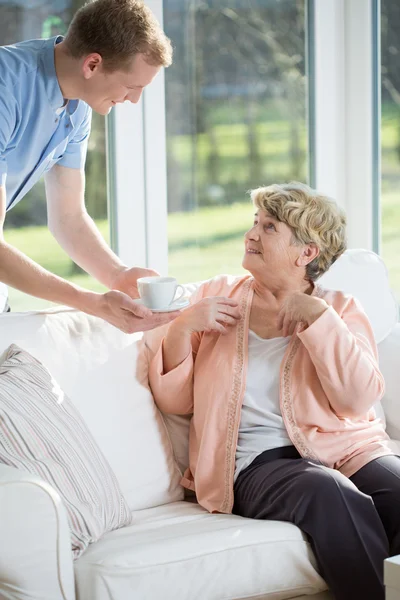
{"x": 183, "y": 303}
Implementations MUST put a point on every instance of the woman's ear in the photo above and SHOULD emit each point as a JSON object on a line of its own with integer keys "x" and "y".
{"x": 308, "y": 253}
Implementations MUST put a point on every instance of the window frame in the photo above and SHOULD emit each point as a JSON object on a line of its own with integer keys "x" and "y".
{"x": 344, "y": 135}
{"x": 137, "y": 166}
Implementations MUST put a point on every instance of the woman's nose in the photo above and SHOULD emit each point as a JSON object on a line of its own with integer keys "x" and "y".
{"x": 252, "y": 234}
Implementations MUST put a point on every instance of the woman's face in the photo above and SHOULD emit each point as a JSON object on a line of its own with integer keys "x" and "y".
{"x": 269, "y": 248}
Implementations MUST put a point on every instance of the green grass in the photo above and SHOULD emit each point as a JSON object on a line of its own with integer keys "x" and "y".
{"x": 39, "y": 244}
{"x": 225, "y": 253}
{"x": 208, "y": 241}
{"x": 202, "y": 243}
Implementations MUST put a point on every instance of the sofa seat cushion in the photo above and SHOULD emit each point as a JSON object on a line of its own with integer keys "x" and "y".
{"x": 181, "y": 551}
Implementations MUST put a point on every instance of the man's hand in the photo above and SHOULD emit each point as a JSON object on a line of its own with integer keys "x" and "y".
{"x": 126, "y": 280}
{"x": 298, "y": 308}
{"x": 121, "y": 311}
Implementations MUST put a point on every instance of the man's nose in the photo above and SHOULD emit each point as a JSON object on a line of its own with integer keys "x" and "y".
{"x": 134, "y": 96}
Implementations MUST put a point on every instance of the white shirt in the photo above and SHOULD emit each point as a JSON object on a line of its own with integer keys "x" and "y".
{"x": 261, "y": 424}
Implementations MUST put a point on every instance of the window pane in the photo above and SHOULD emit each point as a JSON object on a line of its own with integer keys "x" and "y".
{"x": 25, "y": 225}
{"x": 236, "y": 119}
{"x": 390, "y": 139}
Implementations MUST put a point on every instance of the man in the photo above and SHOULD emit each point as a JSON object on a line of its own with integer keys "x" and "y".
{"x": 112, "y": 50}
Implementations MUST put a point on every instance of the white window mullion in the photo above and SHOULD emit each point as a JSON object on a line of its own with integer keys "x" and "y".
{"x": 156, "y": 165}
{"x": 127, "y": 201}
{"x": 329, "y": 100}
{"x": 360, "y": 122}
{"x": 345, "y": 111}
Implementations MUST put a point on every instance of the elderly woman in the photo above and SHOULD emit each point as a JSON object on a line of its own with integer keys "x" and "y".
{"x": 281, "y": 377}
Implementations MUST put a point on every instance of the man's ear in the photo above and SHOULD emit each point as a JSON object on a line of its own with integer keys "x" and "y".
{"x": 308, "y": 253}
{"x": 91, "y": 65}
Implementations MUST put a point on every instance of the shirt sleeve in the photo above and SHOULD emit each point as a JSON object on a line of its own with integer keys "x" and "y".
{"x": 7, "y": 126}
{"x": 75, "y": 153}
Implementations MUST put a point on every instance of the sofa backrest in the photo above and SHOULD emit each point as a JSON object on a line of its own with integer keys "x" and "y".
{"x": 96, "y": 365}
{"x": 364, "y": 275}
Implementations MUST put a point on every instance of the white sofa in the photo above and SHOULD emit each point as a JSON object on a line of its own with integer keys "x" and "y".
{"x": 174, "y": 550}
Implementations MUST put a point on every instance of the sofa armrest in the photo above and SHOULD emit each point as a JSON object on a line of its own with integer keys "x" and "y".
{"x": 389, "y": 362}
{"x": 35, "y": 550}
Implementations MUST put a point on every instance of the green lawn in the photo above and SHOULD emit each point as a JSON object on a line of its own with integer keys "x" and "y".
{"x": 202, "y": 243}
{"x": 38, "y": 244}
{"x": 208, "y": 241}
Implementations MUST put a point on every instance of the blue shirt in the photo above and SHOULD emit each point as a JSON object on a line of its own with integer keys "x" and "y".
{"x": 35, "y": 132}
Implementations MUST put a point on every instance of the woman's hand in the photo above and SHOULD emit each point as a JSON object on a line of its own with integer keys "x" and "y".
{"x": 298, "y": 308}
{"x": 210, "y": 314}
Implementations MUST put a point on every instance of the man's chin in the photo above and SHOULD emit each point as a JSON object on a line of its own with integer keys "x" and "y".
{"x": 102, "y": 110}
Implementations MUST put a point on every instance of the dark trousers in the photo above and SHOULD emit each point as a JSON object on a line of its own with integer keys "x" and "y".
{"x": 352, "y": 524}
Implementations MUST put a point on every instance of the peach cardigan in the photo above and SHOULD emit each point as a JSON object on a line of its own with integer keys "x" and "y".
{"x": 329, "y": 381}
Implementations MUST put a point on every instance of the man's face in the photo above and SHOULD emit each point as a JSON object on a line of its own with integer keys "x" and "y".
{"x": 104, "y": 90}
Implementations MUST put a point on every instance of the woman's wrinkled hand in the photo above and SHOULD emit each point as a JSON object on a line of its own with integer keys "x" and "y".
{"x": 210, "y": 314}
{"x": 299, "y": 308}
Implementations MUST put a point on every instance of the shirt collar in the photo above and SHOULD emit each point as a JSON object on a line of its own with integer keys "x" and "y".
{"x": 72, "y": 106}
{"x": 52, "y": 86}
{"x": 50, "y": 79}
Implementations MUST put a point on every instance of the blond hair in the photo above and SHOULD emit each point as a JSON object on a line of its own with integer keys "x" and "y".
{"x": 312, "y": 217}
{"x": 118, "y": 30}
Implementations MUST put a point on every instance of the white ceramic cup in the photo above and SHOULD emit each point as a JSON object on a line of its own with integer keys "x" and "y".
{"x": 159, "y": 292}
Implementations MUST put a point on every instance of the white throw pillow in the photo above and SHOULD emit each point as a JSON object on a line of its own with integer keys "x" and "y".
{"x": 43, "y": 433}
{"x": 363, "y": 274}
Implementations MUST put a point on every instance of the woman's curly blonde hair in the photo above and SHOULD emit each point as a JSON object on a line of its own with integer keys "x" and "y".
{"x": 312, "y": 217}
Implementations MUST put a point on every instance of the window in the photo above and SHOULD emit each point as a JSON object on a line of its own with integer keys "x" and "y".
{"x": 390, "y": 140}
{"x": 236, "y": 119}
{"x": 25, "y": 225}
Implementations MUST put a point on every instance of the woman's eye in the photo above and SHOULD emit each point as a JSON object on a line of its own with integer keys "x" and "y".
{"x": 269, "y": 226}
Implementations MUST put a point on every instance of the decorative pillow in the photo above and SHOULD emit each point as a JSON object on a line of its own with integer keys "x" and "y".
{"x": 42, "y": 432}
{"x": 364, "y": 275}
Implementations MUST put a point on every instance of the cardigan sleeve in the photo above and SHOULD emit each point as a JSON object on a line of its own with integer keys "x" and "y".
{"x": 173, "y": 391}
{"x": 344, "y": 353}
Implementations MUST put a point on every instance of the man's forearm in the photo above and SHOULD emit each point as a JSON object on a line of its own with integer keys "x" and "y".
{"x": 82, "y": 241}
{"x": 22, "y": 273}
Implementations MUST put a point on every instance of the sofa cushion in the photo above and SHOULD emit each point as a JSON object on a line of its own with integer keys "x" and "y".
{"x": 363, "y": 274}
{"x": 389, "y": 360}
{"x": 182, "y": 551}
{"x": 96, "y": 365}
{"x": 42, "y": 432}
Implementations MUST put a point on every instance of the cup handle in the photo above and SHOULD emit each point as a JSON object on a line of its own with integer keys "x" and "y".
{"x": 181, "y": 295}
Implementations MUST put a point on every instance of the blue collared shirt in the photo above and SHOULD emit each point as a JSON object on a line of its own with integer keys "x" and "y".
{"x": 35, "y": 132}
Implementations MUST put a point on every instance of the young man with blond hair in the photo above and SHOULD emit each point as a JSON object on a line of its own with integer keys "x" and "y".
{"x": 113, "y": 49}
